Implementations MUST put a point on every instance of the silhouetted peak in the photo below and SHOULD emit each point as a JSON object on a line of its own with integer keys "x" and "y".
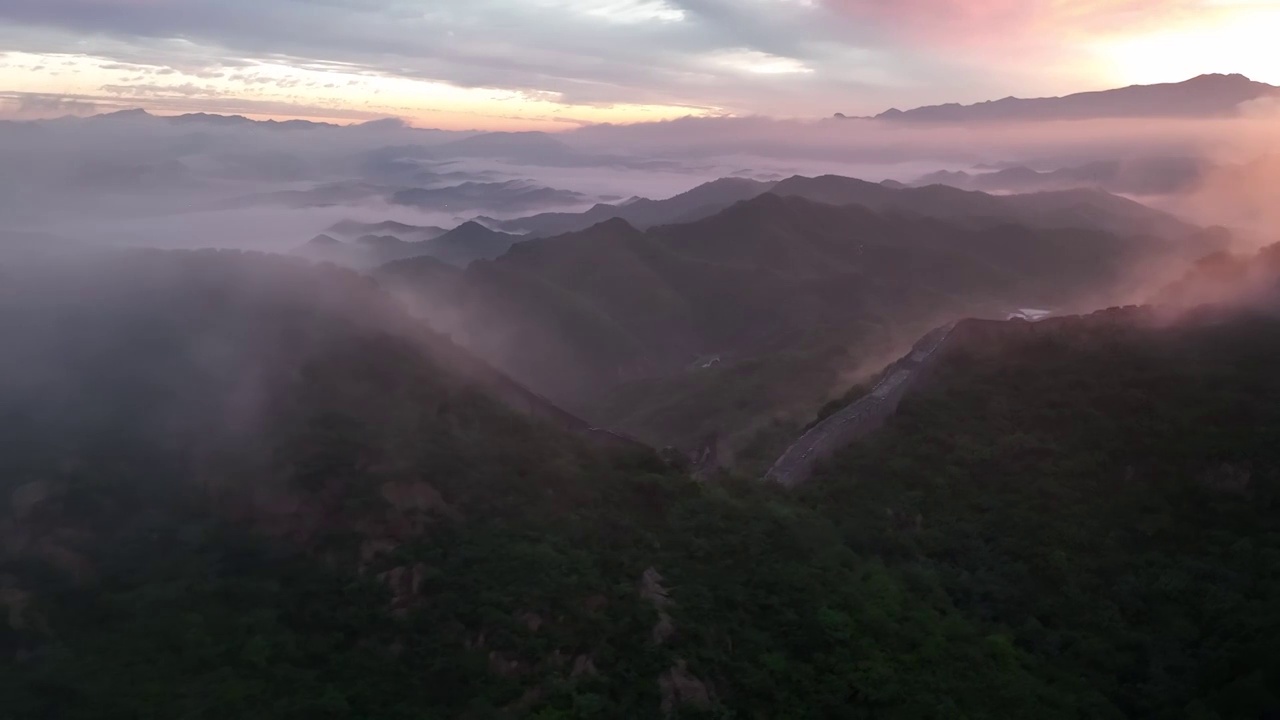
{"x": 126, "y": 114}
{"x": 390, "y": 123}
{"x": 795, "y": 182}
{"x": 614, "y": 225}
{"x": 1213, "y": 95}
{"x": 211, "y": 118}
{"x": 1236, "y": 78}
{"x": 760, "y": 208}
{"x": 323, "y": 240}
{"x": 469, "y": 231}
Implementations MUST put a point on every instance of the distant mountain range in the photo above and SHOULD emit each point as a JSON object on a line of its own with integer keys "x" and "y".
{"x": 540, "y": 149}
{"x": 510, "y": 196}
{"x": 1138, "y": 176}
{"x": 1069, "y": 208}
{"x": 1205, "y": 96}
{"x": 461, "y": 246}
{"x": 1242, "y": 191}
{"x": 365, "y": 245}
{"x": 413, "y": 233}
{"x": 203, "y": 118}
{"x": 703, "y": 201}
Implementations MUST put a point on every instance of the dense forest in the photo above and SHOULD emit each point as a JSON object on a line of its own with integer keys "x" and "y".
{"x": 239, "y": 486}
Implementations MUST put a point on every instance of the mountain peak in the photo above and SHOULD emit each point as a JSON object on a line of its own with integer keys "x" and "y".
{"x": 615, "y": 225}
{"x": 1220, "y": 77}
{"x": 469, "y": 232}
{"x": 125, "y": 114}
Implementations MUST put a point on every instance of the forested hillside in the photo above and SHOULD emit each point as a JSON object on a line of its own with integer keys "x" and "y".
{"x": 1102, "y": 495}
{"x": 762, "y": 310}
{"x": 235, "y": 486}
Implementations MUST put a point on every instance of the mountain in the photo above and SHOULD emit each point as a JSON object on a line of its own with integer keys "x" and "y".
{"x": 1137, "y": 176}
{"x": 1082, "y": 208}
{"x": 787, "y": 294}
{"x": 505, "y": 197}
{"x": 351, "y": 229}
{"x": 209, "y": 119}
{"x": 385, "y": 246}
{"x": 469, "y": 242}
{"x": 702, "y": 201}
{"x": 1055, "y": 477}
{"x": 1076, "y": 208}
{"x": 326, "y": 248}
{"x": 237, "y": 485}
{"x": 1201, "y": 97}
{"x": 240, "y": 120}
{"x": 461, "y": 246}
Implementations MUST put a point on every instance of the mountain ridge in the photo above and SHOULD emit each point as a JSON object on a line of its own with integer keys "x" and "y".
{"x": 773, "y": 281}
{"x": 1049, "y": 207}
{"x": 1203, "y": 96}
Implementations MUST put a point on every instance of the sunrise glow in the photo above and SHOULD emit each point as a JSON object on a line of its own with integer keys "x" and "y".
{"x": 560, "y": 64}
{"x": 1240, "y": 41}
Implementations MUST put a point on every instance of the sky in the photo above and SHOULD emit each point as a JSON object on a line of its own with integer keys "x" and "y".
{"x": 561, "y": 64}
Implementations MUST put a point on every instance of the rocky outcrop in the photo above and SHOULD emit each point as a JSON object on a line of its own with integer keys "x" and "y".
{"x": 678, "y": 686}
{"x": 531, "y": 620}
{"x": 584, "y": 666}
{"x": 405, "y": 584}
{"x": 502, "y": 665}
{"x": 411, "y": 506}
{"x": 864, "y": 415}
{"x": 681, "y": 688}
{"x": 651, "y": 589}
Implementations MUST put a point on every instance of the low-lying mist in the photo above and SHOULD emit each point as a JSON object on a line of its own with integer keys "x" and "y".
{"x": 135, "y": 179}
{"x": 638, "y": 311}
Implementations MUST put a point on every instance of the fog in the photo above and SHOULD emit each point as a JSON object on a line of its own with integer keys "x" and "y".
{"x": 207, "y": 181}
{"x": 135, "y": 180}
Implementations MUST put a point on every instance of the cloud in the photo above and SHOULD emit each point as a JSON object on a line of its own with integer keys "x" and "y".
{"x": 21, "y": 106}
{"x": 795, "y": 57}
{"x": 31, "y": 106}
{"x": 588, "y": 51}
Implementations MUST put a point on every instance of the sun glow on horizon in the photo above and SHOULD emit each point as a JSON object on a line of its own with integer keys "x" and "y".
{"x": 324, "y": 92}
{"x": 1240, "y": 38}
